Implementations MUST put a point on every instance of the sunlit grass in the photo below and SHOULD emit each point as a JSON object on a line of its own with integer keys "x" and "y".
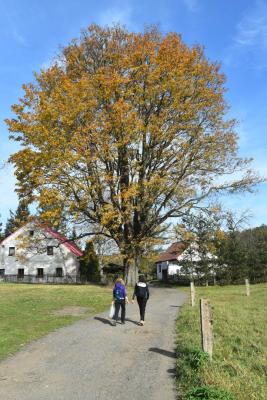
{"x": 26, "y": 310}
{"x": 240, "y": 342}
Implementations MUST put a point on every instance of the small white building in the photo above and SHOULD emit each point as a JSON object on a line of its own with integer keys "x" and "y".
{"x": 36, "y": 252}
{"x": 167, "y": 263}
{"x": 171, "y": 262}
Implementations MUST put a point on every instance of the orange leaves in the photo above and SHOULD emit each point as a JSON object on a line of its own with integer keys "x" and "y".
{"x": 125, "y": 130}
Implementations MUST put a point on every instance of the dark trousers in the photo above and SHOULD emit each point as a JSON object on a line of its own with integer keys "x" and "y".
{"x": 119, "y": 304}
{"x": 142, "y": 307}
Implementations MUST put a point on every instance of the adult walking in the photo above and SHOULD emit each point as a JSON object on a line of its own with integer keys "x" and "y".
{"x": 141, "y": 292}
{"x": 119, "y": 300}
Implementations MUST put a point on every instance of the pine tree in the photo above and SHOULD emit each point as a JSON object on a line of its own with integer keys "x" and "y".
{"x": 199, "y": 233}
{"x": 17, "y": 218}
{"x": 1, "y": 232}
{"x": 89, "y": 267}
{"x": 255, "y": 242}
{"x": 233, "y": 256}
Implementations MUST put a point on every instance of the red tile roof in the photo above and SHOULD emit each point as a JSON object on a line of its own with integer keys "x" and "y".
{"x": 61, "y": 238}
{"x": 172, "y": 252}
{"x": 65, "y": 241}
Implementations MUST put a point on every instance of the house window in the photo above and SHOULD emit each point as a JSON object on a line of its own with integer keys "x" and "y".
{"x": 21, "y": 272}
{"x": 159, "y": 268}
{"x": 31, "y": 232}
{"x": 40, "y": 272}
{"x": 2, "y": 272}
{"x": 11, "y": 251}
{"x": 59, "y": 271}
{"x": 50, "y": 250}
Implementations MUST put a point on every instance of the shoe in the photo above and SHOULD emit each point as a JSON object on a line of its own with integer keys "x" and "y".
{"x": 142, "y": 323}
{"x": 114, "y": 323}
{"x": 123, "y": 323}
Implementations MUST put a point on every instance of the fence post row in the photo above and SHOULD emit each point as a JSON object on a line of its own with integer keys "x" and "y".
{"x": 206, "y": 319}
{"x": 193, "y": 294}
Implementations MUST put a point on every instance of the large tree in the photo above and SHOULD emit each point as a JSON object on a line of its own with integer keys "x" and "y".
{"x": 123, "y": 132}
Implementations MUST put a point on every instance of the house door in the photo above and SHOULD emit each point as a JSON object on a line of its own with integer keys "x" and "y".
{"x": 165, "y": 275}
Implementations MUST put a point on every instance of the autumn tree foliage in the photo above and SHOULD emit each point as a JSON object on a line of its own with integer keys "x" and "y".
{"x": 123, "y": 132}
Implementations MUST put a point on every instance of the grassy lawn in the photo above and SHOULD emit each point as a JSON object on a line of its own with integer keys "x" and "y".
{"x": 26, "y": 311}
{"x": 239, "y": 364}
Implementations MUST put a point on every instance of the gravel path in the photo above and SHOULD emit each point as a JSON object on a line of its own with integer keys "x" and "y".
{"x": 92, "y": 360}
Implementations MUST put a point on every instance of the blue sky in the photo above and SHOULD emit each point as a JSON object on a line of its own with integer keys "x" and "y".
{"x": 232, "y": 32}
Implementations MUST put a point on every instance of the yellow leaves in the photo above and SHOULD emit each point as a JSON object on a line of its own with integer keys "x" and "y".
{"x": 110, "y": 216}
{"x": 184, "y": 234}
{"x": 123, "y": 128}
{"x": 220, "y": 235}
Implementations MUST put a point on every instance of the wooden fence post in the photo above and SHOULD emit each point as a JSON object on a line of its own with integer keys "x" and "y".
{"x": 193, "y": 294}
{"x": 247, "y": 287}
{"x": 206, "y": 319}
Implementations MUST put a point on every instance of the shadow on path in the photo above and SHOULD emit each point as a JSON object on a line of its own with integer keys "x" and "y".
{"x": 172, "y": 371}
{"x": 104, "y": 321}
{"x": 163, "y": 352}
{"x": 132, "y": 321}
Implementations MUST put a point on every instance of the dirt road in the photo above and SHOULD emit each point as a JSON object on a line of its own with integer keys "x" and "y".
{"x": 92, "y": 360}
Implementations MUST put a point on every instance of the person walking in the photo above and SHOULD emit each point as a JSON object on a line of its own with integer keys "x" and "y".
{"x": 141, "y": 292}
{"x": 119, "y": 300}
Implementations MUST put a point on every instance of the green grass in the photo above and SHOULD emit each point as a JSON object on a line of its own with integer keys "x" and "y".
{"x": 239, "y": 366}
{"x": 26, "y": 310}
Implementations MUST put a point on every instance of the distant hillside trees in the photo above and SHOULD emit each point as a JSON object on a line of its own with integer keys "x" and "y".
{"x": 243, "y": 254}
{"x": 255, "y": 244}
{"x": 226, "y": 255}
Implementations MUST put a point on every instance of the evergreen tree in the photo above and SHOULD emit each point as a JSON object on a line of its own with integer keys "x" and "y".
{"x": 89, "y": 267}
{"x": 232, "y": 253}
{"x": 1, "y": 232}
{"x": 17, "y": 218}
{"x": 199, "y": 233}
{"x": 255, "y": 242}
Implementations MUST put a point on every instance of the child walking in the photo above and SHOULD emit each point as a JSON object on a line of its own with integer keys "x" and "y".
{"x": 142, "y": 294}
{"x": 119, "y": 299}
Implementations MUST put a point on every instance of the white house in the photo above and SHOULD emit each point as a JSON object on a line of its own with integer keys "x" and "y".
{"x": 171, "y": 262}
{"x": 37, "y": 252}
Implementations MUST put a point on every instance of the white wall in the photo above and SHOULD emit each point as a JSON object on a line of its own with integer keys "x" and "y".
{"x": 172, "y": 268}
{"x": 160, "y": 266}
{"x": 31, "y": 253}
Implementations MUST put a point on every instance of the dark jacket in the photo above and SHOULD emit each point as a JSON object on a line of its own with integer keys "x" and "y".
{"x": 141, "y": 290}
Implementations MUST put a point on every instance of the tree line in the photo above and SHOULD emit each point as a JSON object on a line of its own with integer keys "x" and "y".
{"x": 226, "y": 255}
{"x": 227, "y": 251}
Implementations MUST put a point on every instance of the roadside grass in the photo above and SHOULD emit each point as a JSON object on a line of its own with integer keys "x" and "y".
{"x": 239, "y": 368}
{"x": 26, "y": 311}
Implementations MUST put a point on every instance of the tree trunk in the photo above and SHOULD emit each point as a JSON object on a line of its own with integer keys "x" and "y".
{"x": 131, "y": 271}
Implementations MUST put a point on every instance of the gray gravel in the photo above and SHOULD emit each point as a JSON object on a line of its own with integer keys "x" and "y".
{"x": 92, "y": 360}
